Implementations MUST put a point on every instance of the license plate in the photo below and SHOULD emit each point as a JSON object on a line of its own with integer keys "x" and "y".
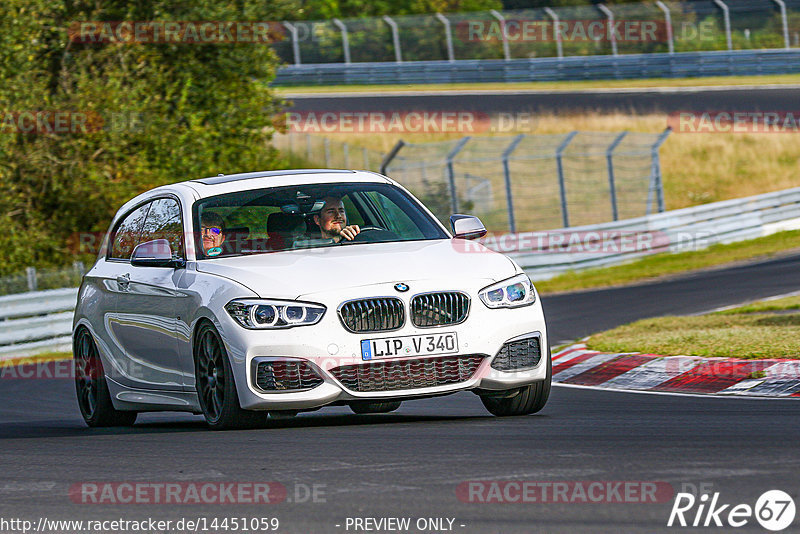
{"x": 396, "y": 347}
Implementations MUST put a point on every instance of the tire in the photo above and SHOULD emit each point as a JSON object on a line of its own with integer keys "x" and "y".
{"x": 529, "y": 399}
{"x": 216, "y": 389}
{"x": 361, "y": 407}
{"x": 91, "y": 387}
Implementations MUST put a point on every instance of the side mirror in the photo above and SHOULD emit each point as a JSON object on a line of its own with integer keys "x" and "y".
{"x": 467, "y": 227}
{"x": 156, "y": 253}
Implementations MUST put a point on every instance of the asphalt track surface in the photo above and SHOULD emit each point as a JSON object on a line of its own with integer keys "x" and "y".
{"x": 769, "y": 98}
{"x": 409, "y": 463}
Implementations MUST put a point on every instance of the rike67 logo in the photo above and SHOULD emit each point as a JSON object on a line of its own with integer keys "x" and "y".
{"x": 774, "y": 510}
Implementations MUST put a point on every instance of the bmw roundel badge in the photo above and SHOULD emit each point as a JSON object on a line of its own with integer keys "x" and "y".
{"x": 401, "y": 287}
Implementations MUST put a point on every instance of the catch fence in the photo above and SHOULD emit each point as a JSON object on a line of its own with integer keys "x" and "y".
{"x": 523, "y": 182}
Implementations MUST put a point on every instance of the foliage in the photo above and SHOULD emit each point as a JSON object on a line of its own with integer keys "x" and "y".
{"x": 327, "y": 9}
{"x": 164, "y": 112}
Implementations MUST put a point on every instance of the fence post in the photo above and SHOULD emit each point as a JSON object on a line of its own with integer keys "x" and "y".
{"x": 668, "y": 21}
{"x": 512, "y": 224}
{"x": 451, "y": 175}
{"x": 448, "y": 36}
{"x": 562, "y": 186}
{"x": 655, "y": 169}
{"x": 610, "y": 164}
{"x": 398, "y": 53}
{"x": 346, "y": 155}
{"x": 727, "y": 19}
{"x": 345, "y": 41}
{"x": 30, "y": 272}
{"x": 327, "y": 144}
{"x": 501, "y": 19}
{"x": 610, "y": 15}
{"x": 308, "y": 148}
{"x": 559, "y": 45}
{"x": 784, "y": 22}
{"x": 366, "y": 158}
{"x": 295, "y": 41}
{"x": 391, "y": 155}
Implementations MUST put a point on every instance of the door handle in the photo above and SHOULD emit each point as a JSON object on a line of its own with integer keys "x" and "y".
{"x": 124, "y": 281}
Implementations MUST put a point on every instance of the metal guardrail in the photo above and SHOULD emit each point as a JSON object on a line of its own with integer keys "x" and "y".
{"x": 41, "y": 321}
{"x": 691, "y": 228}
{"x": 37, "y": 321}
{"x": 630, "y": 66}
{"x": 33, "y": 279}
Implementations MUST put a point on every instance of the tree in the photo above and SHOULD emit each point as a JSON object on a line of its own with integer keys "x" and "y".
{"x": 327, "y": 9}
{"x": 152, "y": 113}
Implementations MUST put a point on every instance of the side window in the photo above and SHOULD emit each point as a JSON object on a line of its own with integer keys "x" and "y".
{"x": 126, "y": 235}
{"x": 164, "y": 222}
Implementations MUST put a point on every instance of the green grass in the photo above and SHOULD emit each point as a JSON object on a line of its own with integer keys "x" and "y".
{"x": 765, "y": 306}
{"x": 549, "y": 86}
{"x": 665, "y": 264}
{"x": 741, "y": 335}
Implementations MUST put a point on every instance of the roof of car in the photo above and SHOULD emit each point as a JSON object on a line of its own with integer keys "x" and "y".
{"x": 220, "y": 184}
{"x": 253, "y": 180}
{"x": 227, "y": 178}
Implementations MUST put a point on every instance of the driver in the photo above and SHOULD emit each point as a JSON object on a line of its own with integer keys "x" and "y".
{"x": 332, "y": 221}
{"x": 212, "y": 232}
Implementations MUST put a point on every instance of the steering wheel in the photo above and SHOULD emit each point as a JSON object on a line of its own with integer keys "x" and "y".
{"x": 373, "y": 234}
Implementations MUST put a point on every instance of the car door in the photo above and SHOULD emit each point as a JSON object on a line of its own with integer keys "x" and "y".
{"x": 144, "y": 324}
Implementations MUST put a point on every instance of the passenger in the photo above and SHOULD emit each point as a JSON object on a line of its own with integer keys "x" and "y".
{"x": 212, "y": 230}
{"x": 284, "y": 229}
{"x": 332, "y": 221}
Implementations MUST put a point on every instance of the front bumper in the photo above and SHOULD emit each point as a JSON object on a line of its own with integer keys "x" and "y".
{"x": 327, "y": 347}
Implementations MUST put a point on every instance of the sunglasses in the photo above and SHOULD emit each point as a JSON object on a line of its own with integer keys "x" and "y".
{"x": 216, "y": 230}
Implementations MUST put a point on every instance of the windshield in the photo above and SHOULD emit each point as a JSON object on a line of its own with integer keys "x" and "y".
{"x": 309, "y": 216}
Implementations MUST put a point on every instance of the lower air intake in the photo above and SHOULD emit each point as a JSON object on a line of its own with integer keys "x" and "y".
{"x": 518, "y": 355}
{"x": 408, "y": 374}
{"x": 286, "y": 375}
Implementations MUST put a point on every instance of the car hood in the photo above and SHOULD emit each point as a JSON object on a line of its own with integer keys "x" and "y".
{"x": 289, "y": 274}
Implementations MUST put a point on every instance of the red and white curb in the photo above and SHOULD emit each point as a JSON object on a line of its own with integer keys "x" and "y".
{"x": 577, "y": 365}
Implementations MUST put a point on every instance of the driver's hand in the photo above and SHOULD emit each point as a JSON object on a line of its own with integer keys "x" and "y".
{"x": 350, "y": 232}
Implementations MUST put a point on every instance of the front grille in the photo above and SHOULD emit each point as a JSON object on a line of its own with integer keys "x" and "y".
{"x": 516, "y": 355}
{"x": 408, "y": 374}
{"x": 373, "y": 315}
{"x": 286, "y": 375}
{"x": 438, "y": 309}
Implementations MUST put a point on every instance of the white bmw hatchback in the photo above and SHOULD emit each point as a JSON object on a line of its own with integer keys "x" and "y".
{"x": 281, "y": 292}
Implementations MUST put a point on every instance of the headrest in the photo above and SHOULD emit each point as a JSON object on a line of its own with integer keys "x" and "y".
{"x": 284, "y": 222}
{"x": 237, "y": 232}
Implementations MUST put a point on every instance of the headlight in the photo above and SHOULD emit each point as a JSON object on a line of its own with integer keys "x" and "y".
{"x": 515, "y": 292}
{"x": 266, "y": 314}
